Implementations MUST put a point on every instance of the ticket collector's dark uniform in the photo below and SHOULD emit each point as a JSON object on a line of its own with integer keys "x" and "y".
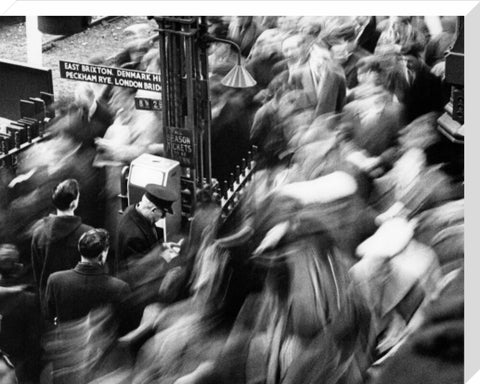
{"x": 136, "y": 234}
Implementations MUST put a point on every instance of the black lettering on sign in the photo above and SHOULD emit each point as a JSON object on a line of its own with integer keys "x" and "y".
{"x": 180, "y": 145}
{"x": 148, "y": 104}
{"x": 110, "y": 75}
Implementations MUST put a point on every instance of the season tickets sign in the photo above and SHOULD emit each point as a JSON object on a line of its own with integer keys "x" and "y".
{"x": 111, "y": 76}
{"x": 180, "y": 145}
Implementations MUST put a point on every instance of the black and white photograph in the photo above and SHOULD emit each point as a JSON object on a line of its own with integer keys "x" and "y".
{"x": 229, "y": 199}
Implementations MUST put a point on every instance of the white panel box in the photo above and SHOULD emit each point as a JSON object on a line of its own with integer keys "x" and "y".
{"x": 151, "y": 169}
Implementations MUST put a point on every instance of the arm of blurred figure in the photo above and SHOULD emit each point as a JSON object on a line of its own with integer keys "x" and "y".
{"x": 36, "y": 262}
{"x": 127, "y": 152}
{"x": 124, "y": 310}
{"x": 50, "y": 309}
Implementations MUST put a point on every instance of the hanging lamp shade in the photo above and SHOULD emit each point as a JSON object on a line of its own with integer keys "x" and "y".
{"x": 238, "y": 77}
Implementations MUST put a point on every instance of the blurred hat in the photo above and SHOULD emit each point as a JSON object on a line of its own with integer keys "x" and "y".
{"x": 9, "y": 257}
{"x": 338, "y": 29}
{"x": 161, "y": 196}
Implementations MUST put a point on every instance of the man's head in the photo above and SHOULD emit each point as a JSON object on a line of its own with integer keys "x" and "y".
{"x": 9, "y": 259}
{"x": 295, "y": 47}
{"x": 157, "y": 202}
{"x": 340, "y": 37}
{"x": 93, "y": 245}
{"x": 65, "y": 195}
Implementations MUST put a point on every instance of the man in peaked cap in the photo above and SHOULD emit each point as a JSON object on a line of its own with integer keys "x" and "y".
{"x": 161, "y": 197}
{"x": 137, "y": 234}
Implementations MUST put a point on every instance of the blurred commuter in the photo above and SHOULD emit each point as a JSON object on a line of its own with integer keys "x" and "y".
{"x": 10, "y": 267}
{"x": 440, "y": 43}
{"x": 19, "y": 320}
{"x": 397, "y": 32}
{"x": 433, "y": 352}
{"x": 86, "y": 350}
{"x": 341, "y": 39}
{"x": 367, "y": 33}
{"x": 244, "y": 30}
{"x": 312, "y": 70}
{"x": 375, "y": 114}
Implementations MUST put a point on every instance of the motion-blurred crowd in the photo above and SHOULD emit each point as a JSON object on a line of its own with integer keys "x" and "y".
{"x": 343, "y": 262}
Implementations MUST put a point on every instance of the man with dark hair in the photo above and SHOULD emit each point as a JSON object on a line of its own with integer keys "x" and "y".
{"x": 55, "y": 237}
{"x": 72, "y": 294}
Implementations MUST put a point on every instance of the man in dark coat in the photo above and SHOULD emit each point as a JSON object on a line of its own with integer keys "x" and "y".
{"x": 137, "y": 233}
{"x": 72, "y": 294}
{"x": 55, "y": 238}
{"x": 425, "y": 93}
{"x": 86, "y": 305}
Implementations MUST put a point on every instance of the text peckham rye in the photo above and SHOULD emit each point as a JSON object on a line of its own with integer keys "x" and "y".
{"x": 110, "y": 75}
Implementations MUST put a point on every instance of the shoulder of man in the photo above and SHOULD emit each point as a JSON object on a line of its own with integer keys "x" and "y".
{"x": 58, "y": 276}
{"x": 126, "y": 216}
{"x": 39, "y": 226}
{"x": 130, "y": 225}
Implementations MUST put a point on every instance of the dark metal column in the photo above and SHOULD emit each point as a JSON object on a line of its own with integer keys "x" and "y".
{"x": 186, "y": 101}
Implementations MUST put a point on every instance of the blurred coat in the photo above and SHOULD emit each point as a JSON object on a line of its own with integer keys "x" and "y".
{"x": 386, "y": 281}
{"x": 376, "y": 121}
{"x": 329, "y": 95}
{"x": 425, "y": 93}
{"x": 437, "y": 47}
{"x": 350, "y": 66}
{"x": 370, "y": 35}
{"x": 244, "y": 31}
{"x": 443, "y": 228}
{"x": 433, "y": 353}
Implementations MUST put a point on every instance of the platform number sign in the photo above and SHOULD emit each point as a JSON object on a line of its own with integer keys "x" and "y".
{"x": 148, "y": 104}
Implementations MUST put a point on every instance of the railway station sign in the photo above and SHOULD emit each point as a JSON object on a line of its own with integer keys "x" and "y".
{"x": 120, "y": 77}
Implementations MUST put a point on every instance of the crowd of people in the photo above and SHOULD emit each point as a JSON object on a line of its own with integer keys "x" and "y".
{"x": 342, "y": 263}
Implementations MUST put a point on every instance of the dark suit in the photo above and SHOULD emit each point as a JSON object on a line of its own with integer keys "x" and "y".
{"x": 425, "y": 94}
{"x": 72, "y": 294}
{"x": 136, "y": 236}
